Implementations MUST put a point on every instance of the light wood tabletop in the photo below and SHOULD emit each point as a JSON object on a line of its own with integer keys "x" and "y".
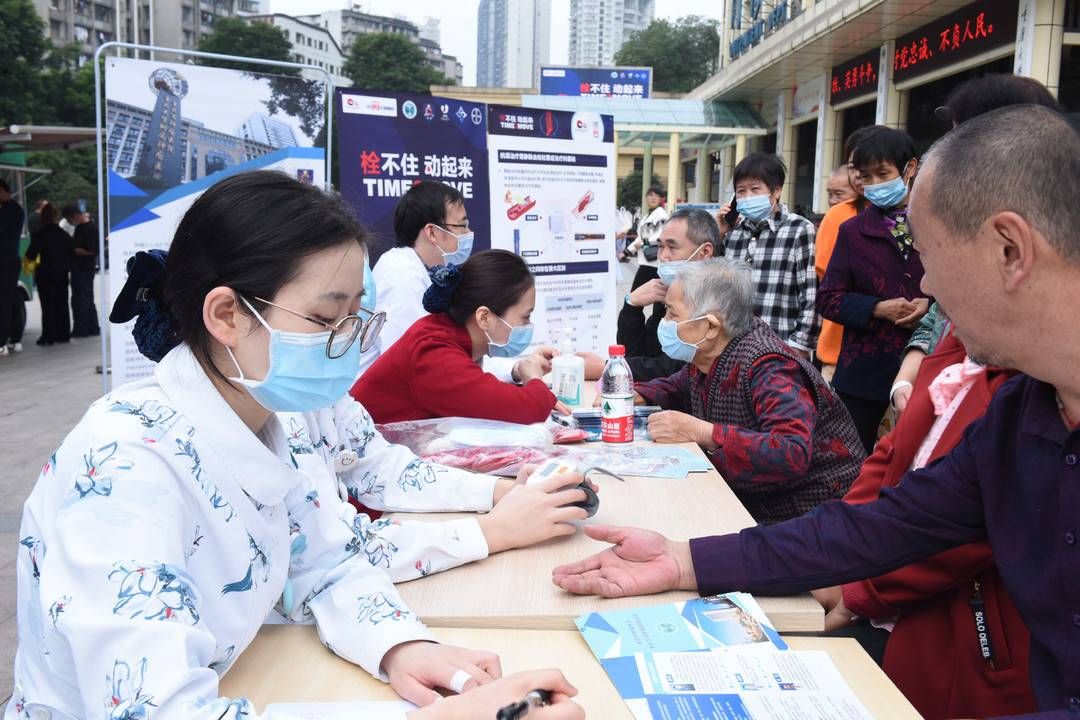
{"x": 289, "y": 664}
{"x": 513, "y": 589}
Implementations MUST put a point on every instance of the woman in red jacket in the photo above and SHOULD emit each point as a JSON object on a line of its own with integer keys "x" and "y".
{"x": 481, "y": 308}
{"x": 957, "y": 646}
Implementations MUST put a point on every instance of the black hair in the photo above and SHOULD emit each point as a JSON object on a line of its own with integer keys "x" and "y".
{"x": 495, "y": 279}
{"x": 857, "y": 137}
{"x": 655, "y": 190}
{"x": 887, "y": 145}
{"x": 249, "y": 232}
{"x": 767, "y": 168}
{"x": 701, "y": 228}
{"x": 71, "y": 210}
{"x": 982, "y": 94}
{"x": 4, "y": 185}
{"x": 49, "y": 214}
{"x": 425, "y": 203}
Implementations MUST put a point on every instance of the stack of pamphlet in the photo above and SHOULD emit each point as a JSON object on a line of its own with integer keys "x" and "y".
{"x": 715, "y": 658}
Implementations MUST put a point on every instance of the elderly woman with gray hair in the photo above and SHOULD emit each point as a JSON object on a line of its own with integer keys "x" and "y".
{"x": 773, "y": 428}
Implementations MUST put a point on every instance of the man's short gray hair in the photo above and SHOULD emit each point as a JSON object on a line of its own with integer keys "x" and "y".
{"x": 701, "y": 227}
{"x": 1022, "y": 158}
{"x": 723, "y": 287}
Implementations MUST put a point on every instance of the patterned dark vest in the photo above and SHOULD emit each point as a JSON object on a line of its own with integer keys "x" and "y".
{"x": 724, "y": 397}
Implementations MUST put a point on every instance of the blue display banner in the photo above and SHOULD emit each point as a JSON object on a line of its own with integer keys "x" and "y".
{"x": 388, "y": 142}
{"x": 627, "y": 82}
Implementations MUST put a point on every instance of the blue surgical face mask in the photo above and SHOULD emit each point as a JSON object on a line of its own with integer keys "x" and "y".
{"x": 670, "y": 270}
{"x": 369, "y": 287}
{"x": 674, "y": 346}
{"x": 887, "y": 194}
{"x": 518, "y": 342}
{"x": 301, "y": 377}
{"x": 464, "y": 248}
{"x": 754, "y": 207}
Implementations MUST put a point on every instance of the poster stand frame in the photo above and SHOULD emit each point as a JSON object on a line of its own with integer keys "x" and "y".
{"x": 328, "y": 93}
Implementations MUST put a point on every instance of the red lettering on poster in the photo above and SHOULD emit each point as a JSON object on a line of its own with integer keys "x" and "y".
{"x": 370, "y": 163}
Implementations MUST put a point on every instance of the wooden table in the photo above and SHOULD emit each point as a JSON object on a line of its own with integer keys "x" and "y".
{"x": 513, "y": 589}
{"x": 289, "y": 664}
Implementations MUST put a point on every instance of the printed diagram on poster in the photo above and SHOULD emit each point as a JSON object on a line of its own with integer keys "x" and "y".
{"x": 552, "y": 178}
{"x": 172, "y": 131}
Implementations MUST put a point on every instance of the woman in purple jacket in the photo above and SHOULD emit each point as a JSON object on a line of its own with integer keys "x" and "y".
{"x": 871, "y": 286}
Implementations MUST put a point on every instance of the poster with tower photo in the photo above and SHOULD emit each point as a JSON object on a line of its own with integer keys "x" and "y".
{"x": 171, "y": 131}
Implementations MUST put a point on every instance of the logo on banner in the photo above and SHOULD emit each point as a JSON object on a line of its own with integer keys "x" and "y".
{"x": 369, "y": 105}
{"x": 445, "y": 110}
{"x": 587, "y": 126}
{"x": 477, "y": 116}
{"x": 306, "y": 176}
{"x": 408, "y": 109}
{"x": 461, "y": 114}
{"x": 429, "y": 114}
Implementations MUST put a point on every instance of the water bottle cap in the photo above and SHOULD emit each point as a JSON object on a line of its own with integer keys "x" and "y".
{"x": 616, "y": 351}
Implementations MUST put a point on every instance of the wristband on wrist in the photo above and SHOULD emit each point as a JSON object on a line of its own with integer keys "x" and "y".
{"x": 896, "y": 386}
{"x": 627, "y": 300}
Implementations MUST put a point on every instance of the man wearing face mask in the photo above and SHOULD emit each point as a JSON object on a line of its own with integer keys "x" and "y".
{"x": 779, "y": 247}
{"x": 765, "y": 417}
{"x": 431, "y": 228}
{"x": 690, "y": 235}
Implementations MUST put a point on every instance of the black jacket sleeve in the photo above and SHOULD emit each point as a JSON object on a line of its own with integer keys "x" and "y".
{"x": 651, "y": 368}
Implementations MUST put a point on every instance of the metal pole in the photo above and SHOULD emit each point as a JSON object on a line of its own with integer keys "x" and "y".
{"x": 150, "y": 22}
{"x": 329, "y": 93}
{"x": 102, "y": 284}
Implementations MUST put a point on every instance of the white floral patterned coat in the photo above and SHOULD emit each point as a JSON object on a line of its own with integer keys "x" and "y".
{"x": 162, "y": 532}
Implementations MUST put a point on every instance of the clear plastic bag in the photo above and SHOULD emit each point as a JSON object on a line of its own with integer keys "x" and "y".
{"x": 485, "y": 446}
{"x": 443, "y": 434}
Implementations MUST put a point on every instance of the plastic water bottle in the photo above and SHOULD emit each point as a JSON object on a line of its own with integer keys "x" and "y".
{"x": 568, "y": 373}
{"x": 617, "y": 398}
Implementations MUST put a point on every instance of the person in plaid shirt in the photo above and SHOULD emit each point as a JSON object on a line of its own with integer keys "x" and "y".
{"x": 779, "y": 246}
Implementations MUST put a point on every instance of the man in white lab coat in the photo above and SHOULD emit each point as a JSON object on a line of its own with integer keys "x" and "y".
{"x": 432, "y": 228}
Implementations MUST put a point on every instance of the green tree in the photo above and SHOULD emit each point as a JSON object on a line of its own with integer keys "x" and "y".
{"x": 235, "y": 36}
{"x": 629, "y": 192}
{"x": 682, "y": 54}
{"x": 289, "y": 92}
{"x": 23, "y": 47}
{"x": 391, "y": 62}
{"x": 74, "y": 176}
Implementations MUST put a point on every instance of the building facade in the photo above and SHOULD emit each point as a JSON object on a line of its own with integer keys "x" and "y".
{"x": 512, "y": 42}
{"x": 312, "y": 44}
{"x": 344, "y": 26}
{"x": 598, "y": 28}
{"x": 173, "y": 23}
{"x": 266, "y": 130}
{"x": 817, "y": 71}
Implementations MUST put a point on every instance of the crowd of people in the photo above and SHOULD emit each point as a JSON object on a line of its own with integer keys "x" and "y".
{"x": 62, "y": 258}
{"x": 240, "y": 481}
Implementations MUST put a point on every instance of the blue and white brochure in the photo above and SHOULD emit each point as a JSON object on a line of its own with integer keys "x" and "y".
{"x": 730, "y": 620}
{"x": 733, "y": 684}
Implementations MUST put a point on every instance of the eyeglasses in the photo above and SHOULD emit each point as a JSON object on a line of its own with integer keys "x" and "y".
{"x": 345, "y": 331}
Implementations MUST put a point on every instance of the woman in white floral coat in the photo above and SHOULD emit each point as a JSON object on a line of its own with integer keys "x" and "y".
{"x": 187, "y": 507}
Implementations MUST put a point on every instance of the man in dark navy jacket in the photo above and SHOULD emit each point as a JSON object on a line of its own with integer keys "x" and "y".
{"x": 994, "y": 216}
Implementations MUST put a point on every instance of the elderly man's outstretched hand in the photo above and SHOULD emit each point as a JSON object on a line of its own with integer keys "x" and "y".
{"x": 640, "y": 562}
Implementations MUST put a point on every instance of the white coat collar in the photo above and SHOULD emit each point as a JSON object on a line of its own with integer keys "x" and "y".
{"x": 264, "y": 475}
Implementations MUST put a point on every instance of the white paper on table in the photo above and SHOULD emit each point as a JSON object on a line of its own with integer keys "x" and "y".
{"x": 385, "y": 710}
{"x": 731, "y": 684}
